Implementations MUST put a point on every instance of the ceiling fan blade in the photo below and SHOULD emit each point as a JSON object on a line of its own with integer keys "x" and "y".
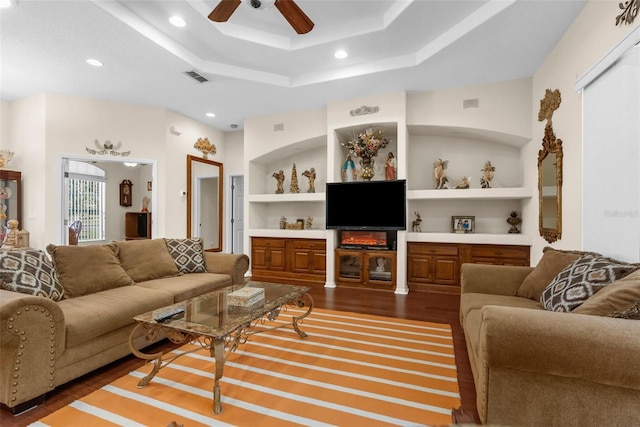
{"x": 223, "y": 10}
{"x": 295, "y": 16}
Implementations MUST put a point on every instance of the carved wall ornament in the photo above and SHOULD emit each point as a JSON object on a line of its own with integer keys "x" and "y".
{"x": 629, "y": 11}
{"x": 107, "y": 148}
{"x": 365, "y": 110}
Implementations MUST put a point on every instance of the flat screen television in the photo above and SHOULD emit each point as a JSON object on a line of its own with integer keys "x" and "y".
{"x": 366, "y": 205}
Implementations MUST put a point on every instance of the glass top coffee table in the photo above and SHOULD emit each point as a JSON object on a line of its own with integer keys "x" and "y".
{"x": 218, "y": 326}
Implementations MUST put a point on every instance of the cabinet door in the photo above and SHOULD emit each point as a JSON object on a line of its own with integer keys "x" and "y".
{"x": 349, "y": 266}
{"x": 420, "y": 269}
{"x": 318, "y": 262}
{"x": 276, "y": 259}
{"x": 300, "y": 260}
{"x": 445, "y": 270}
{"x": 259, "y": 258}
{"x": 380, "y": 268}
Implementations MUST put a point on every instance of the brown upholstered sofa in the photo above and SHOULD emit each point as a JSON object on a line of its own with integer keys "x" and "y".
{"x": 537, "y": 367}
{"x": 80, "y": 312}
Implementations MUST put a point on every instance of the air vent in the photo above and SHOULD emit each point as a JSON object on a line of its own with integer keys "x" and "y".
{"x": 470, "y": 103}
{"x": 194, "y": 75}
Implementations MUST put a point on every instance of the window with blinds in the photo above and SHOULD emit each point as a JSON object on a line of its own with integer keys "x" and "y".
{"x": 87, "y": 203}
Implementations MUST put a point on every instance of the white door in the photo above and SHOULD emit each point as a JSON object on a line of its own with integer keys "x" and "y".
{"x": 237, "y": 214}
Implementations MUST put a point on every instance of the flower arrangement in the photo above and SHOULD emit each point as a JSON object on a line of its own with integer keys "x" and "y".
{"x": 366, "y": 144}
{"x": 205, "y": 147}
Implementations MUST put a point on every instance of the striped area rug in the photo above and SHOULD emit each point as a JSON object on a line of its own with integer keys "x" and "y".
{"x": 351, "y": 370}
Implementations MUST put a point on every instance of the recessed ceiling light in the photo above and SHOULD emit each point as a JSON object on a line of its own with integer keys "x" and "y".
{"x": 210, "y": 115}
{"x": 177, "y": 21}
{"x": 6, "y": 3}
{"x": 94, "y": 62}
{"x": 341, "y": 54}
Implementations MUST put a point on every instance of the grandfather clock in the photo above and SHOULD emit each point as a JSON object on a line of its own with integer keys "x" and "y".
{"x": 125, "y": 192}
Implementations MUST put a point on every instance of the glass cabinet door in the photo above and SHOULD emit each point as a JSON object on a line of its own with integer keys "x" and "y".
{"x": 380, "y": 267}
{"x": 349, "y": 265}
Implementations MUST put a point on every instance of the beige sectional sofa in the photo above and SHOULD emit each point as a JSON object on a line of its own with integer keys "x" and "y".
{"x": 535, "y": 366}
{"x": 65, "y": 317}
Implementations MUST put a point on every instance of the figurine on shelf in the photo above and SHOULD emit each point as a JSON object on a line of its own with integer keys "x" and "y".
{"x": 463, "y": 183}
{"x": 11, "y": 237}
{"x": 294, "y": 180}
{"x": 390, "y": 167}
{"x": 514, "y": 221}
{"x": 311, "y": 175}
{"x": 308, "y": 224}
{"x": 415, "y": 225}
{"x": 283, "y": 223}
{"x": 439, "y": 174}
{"x": 145, "y": 204}
{"x": 349, "y": 173}
{"x": 279, "y": 176}
{"x": 380, "y": 262}
{"x": 487, "y": 175}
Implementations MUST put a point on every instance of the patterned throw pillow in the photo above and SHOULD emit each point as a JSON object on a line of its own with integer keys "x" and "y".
{"x": 582, "y": 279}
{"x": 631, "y": 313}
{"x": 188, "y": 254}
{"x": 29, "y": 272}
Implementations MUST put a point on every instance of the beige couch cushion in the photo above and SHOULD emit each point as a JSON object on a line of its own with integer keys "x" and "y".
{"x": 188, "y": 285}
{"x": 475, "y": 301}
{"x": 146, "y": 259}
{"x": 553, "y": 261}
{"x": 91, "y": 316}
{"x": 617, "y": 296}
{"x": 83, "y": 270}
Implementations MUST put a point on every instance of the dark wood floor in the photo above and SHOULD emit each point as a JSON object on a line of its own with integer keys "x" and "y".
{"x": 441, "y": 308}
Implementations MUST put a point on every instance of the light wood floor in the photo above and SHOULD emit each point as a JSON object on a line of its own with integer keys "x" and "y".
{"x": 440, "y": 308}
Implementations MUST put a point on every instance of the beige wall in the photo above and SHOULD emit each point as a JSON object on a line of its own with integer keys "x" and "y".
{"x": 589, "y": 38}
{"x": 45, "y": 127}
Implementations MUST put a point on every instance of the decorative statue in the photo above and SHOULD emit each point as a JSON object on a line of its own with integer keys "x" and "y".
{"x": 145, "y": 204}
{"x": 415, "y": 225}
{"x": 294, "y": 180}
{"x": 283, "y": 223}
{"x": 349, "y": 173}
{"x": 463, "y": 183}
{"x": 390, "y": 167}
{"x": 380, "y": 262}
{"x": 439, "y": 173}
{"x": 514, "y": 221}
{"x": 311, "y": 175}
{"x": 487, "y": 175}
{"x": 279, "y": 176}
{"x": 11, "y": 238}
{"x": 308, "y": 224}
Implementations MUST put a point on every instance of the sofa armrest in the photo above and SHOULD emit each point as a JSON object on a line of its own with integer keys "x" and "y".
{"x": 32, "y": 339}
{"x": 235, "y": 265}
{"x": 591, "y": 348}
{"x": 492, "y": 279}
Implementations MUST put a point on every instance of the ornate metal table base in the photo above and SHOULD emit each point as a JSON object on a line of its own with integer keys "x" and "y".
{"x": 219, "y": 347}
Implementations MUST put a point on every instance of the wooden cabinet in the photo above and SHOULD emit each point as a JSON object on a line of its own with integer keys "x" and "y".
{"x": 10, "y": 197}
{"x": 267, "y": 254}
{"x": 366, "y": 268}
{"x": 137, "y": 225}
{"x": 435, "y": 267}
{"x": 296, "y": 260}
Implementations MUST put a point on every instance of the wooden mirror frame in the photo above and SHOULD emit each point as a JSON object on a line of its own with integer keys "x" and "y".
{"x": 191, "y": 199}
{"x": 550, "y": 146}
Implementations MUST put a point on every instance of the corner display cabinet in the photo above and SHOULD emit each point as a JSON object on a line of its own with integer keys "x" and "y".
{"x": 10, "y": 196}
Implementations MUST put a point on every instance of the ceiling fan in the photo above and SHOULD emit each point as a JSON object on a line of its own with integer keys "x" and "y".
{"x": 291, "y": 12}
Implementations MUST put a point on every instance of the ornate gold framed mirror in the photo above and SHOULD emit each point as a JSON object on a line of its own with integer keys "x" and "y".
{"x": 204, "y": 201}
{"x": 550, "y": 172}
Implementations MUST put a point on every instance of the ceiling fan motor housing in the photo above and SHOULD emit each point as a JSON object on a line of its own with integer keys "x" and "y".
{"x": 261, "y": 4}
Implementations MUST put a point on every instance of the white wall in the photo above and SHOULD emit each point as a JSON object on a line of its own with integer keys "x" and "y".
{"x": 589, "y": 38}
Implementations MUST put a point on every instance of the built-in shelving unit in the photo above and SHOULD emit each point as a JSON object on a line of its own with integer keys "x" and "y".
{"x": 416, "y": 146}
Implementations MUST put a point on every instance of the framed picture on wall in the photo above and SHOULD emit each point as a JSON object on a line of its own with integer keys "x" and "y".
{"x": 463, "y": 224}
{"x": 149, "y": 186}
